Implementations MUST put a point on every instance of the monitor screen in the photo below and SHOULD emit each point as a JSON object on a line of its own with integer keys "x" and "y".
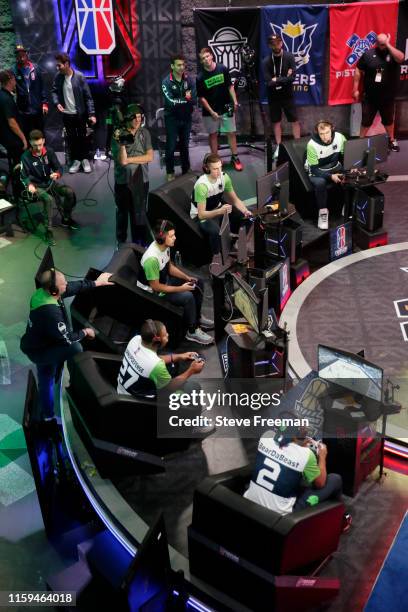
{"x": 350, "y": 371}
{"x": 269, "y": 187}
{"x": 355, "y": 151}
{"x": 225, "y": 239}
{"x": 246, "y": 301}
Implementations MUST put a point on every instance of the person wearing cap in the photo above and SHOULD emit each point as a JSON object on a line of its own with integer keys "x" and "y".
{"x": 73, "y": 100}
{"x": 279, "y": 70}
{"x": 132, "y": 151}
{"x": 31, "y": 97}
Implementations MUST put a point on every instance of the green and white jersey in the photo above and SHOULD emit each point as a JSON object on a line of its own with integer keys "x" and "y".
{"x": 279, "y": 472}
{"x": 142, "y": 372}
{"x": 209, "y": 192}
{"x": 324, "y": 157}
{"x": 155, "y": 266}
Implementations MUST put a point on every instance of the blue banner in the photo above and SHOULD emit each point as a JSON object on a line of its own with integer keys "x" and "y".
{"x": 303, "y": 31}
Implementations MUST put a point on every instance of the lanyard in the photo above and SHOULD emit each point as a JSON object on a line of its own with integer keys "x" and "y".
{"x": 274, "y": 66}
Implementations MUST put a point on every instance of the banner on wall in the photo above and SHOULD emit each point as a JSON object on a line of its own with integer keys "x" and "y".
{"x": 402, "y": 45}
{"x": 303, "y": 31}
{"x": 353, "y": 30}
{"x": 226, "y": 32}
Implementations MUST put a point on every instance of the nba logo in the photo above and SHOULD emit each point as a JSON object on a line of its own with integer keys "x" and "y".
{"x": 96, "y": 26}
{"x": 341, "y": 237}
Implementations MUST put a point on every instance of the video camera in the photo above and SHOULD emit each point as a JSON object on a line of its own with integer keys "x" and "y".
{"x": 122, "y": 134}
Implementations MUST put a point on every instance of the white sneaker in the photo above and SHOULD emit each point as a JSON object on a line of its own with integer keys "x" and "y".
{"x": 206, "y": 323}
{"x": 323, "y": 221}
{"x": 199, "y": 336}
{"x": 75, "y": 166}
{"x": 86, "y": 165}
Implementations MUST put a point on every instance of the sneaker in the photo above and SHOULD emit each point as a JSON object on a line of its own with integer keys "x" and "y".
{"x": 347, "y": 520}
{"x": 49, "y": 238}
{"x": 276, "y": 153}
{"x": 393, "y": 145}
{"x": 70, "y": 223}
{"x": 76, "y": 164}
{"x": 169, "y": 177}
{"x": 206, "y": 323}
{"x": 323, "y": 221}
{"x": 236, "y": 163}
{"x": 86, "y": 166}
{"x": 199, "y": 336}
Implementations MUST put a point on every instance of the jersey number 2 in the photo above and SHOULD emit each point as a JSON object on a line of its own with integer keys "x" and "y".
{"x": 269, "y": 474}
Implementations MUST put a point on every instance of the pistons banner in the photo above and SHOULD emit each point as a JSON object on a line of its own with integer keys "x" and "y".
{"x": 402, "y": 45}
{"x": 353, "y": 30}
{"x": 232, "y": 35}
{"x": 303, "y": 31}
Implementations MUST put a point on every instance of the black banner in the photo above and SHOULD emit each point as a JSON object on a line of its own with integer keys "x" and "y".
{"x": 227, "y": 32}
{"x": 402, "y": 45}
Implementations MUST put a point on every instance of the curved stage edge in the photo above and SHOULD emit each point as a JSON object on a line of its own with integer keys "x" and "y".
{"x": 298, "y": 365}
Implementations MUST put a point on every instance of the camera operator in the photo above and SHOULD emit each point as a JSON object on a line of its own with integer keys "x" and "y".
{"x": 131, "y": 151}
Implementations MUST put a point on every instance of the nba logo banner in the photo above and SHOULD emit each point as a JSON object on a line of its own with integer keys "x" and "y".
{"x": 96, "y": 26}
{"x": 353, "y": 30}
{"x": 340, "y": 241}
{"x": 303, "y": 32}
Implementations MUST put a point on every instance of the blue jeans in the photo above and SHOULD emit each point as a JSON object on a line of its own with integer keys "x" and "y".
{"x": 50, "y": 364}
{"x": 190, "y": 301}
{"x": 320, "y": 185}
{"x": 177, "y": 130}
{"x": 331, "y": 490}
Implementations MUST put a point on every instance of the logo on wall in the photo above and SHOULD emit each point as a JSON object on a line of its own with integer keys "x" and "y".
{"x": 96, "y": 30}
{"x": 297, "y": 39}
{"x": 359, "y": 46}
{"x": 226, "y": 45}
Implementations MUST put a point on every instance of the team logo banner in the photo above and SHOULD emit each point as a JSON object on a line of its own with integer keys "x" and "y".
{"x": 303, "y": 31}
{"x": 353, "y": 30}
{"x": 402, "y": 44}
{"x": 226, "y": 33}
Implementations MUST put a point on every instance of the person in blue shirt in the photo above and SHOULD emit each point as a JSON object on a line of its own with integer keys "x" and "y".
{"x": 31, "y": 99}
{"x": 180, "y": 97}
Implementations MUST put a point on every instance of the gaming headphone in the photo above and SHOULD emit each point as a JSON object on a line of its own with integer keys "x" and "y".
{"x": 160, "y": 236}
{"x": 51, "y": 284}
{"x": 156, "y": 338}
{"x": 206, "y": 169}
{"x": 285, "y": 433}
{"x": 329, "y": 123}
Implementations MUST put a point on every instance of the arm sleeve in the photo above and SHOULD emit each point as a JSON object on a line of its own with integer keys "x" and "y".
{"x": 285, "y": 80}
{"x": 343, "y": 142}
{"x": 44, "y": 98}
{"x": 151, "y": 269}
{"x": 74, "y": 287}
{"x": 193, "y": 92}
{"x": 313, "y": 162}
{"x": 200, "y": 193}
{"x": 25, "y": 171}
{"x": 228, "y": 184}
{"x": 312, "y": 470}
{"x": 90, "y": 107}
{"x": 54, "y": 92}
{"x": 57, "y": 330}
{"x": 160, "y": 375}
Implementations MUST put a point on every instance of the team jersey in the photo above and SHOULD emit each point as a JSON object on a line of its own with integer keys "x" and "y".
{"x": 155, "y": 266}
{"x": 209, "y": 192}
{"x": 279, "y": 472}
{"x": 322, "y": 158}
{"x": 142, "y": 371}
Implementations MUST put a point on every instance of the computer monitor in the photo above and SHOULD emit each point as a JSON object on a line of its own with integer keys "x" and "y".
{"x": 148, "y": 579}
{"x": 350, "y": 371}
{"x": 254, "y": 309}
{"x": 225, "y": 239}
{"x": 357, "y": 152}
{"x": 273, "y": 188}
{"x": 47, "y": 262}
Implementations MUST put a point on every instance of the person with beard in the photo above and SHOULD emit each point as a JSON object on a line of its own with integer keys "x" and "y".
{"x": 31, "y": 98}
{"x": 324, "y": 158}
{"x": 279, "y": 71}
{"x": 380, "y": 69}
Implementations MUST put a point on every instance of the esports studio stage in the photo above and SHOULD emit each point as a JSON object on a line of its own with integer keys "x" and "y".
{"x": 230, "y": 428}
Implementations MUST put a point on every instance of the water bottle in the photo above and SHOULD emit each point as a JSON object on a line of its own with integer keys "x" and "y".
{"x": 177, "y": 259}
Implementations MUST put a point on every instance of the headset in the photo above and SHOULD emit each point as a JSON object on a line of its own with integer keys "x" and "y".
{"x": 132, "y": 110}
{"x": 160, "y": 236}
{"x": 206, "y": 168}
{"x": 285, "y": 433}
{"x": 329, "y": 123}
{"x": 156, "y": 338}
{"x": 51, "y": 284}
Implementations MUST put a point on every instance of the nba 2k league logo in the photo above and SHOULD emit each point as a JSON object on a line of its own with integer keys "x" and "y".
{"x": 96, "y": 26}
{"x": 297, "y": 39}
{"x": 226, "y": 45}
{"x": 341, "y": 246}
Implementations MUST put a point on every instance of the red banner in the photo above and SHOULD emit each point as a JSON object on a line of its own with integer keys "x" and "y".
{"x": 353, "y": 30}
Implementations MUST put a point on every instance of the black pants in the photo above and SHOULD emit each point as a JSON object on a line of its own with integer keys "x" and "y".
{"x": 131, "y": 206}
{"x": 75, "y": 127}
{"x": 211, "y": 227}
{"x": 58, "y": 195}
{"x": 177, "y": 130}
{"x": 31, "y": 122}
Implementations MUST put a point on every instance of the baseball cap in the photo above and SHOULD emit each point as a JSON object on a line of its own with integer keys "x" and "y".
{"x": 274, "y": 37}
{"x": 21, "y": 48}
{"x": 132, "y": 110}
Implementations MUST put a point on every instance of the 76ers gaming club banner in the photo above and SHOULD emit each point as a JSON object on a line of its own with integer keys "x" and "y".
{"x": 353, "y": 30}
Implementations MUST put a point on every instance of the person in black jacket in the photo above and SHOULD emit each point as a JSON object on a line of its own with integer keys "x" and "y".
{"x": 279, "y": 71}
{"x": 11, "y": 135}
{"x": 40, "y": 171}
{"x": 48, "y": 341}
{"x": 31, "y": 99}
{"x": 72, "y": 97}
{"x": 180, "y": 97}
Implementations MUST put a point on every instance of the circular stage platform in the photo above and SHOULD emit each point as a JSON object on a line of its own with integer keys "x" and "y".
{"x": 359, "y": 302}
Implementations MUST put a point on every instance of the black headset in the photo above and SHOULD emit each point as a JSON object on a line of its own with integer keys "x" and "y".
{"x": 156, "y": 338}
{"x": 51, "y": 284}
{"x": 329, "y": 123}
{"x": 206, "y": 169}
{"x": 160, "y": 236}
{"x": 285, "y": 433}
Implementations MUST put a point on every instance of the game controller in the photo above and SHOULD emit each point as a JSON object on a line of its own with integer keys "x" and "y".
{"x": 199, "y": 358}
{"x": 314, "y": 445}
